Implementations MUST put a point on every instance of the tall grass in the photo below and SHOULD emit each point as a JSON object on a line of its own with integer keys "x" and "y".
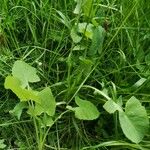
{"x": 36, "y": 32}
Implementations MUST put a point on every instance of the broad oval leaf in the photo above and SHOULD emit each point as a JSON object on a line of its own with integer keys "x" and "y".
{"x": 24, "y": 72}
{"x": 47, "y": 105}
{"x": 134, "y": 121}
{"x": 14, "y": 84}
{"x": 86, "y": 110}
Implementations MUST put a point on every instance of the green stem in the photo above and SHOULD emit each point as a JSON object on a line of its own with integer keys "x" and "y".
{"x": 46, "y": 133}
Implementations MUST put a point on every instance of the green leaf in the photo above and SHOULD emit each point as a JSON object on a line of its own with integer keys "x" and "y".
{"x": 14, "y": 84}
{"x": 74, "y": 35}
{"x": 134, "y": 121}
{"x": 79, "y": 48}
{"x": 110, "y": 106}
{"x": 86, "y": 29}
{"x": 119, "y": 101}
{"x": 86, "y": 110}
{"x": 24, "y": 72}
{"x": 97, "y": 41}
{"x": 70, "y": 108}
{"x": 64, "y": 19}
{"x": 87, "y": 7}
{"x": 11, "y": 82}
{"x": 78, "y": 9}
{"x": 2, "y": 145}
{"x": 84, "y": 6}
{"x": 139, "y": 83}
{"x": 47, "y": 121}
{"x": 47, "y": 105}
{"x": 17, "y": 111}
{"x": 35, "y": 110}
{"x": 85, "y": 65}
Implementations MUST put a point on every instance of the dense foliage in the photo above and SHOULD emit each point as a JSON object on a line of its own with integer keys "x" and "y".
{"x": 74, "y": 74}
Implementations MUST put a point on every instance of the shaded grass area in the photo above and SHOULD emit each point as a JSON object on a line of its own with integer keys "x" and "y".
{"x": 36, "y": 32}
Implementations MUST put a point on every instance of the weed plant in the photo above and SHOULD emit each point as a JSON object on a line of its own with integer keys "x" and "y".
{"x": 98, "y": 50}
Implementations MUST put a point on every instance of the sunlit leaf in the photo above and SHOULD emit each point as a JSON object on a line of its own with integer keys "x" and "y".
{"x": 47, "y": 105}
{"x": 78, "y": 7}
{"x": 139, "y": 83}
{"x": 87, "y": 7}
{"x": 24, "y": 72}
{"x": 134, "y": 121}
{"x": 86, "y": 29}
{"x": 47, "y": 121}
{"x": 79, "y": 47}
{"x": 2, "y": 145}
{"x": 74, "y": 35}
{"x": 86, "y": 110}
{"x": 35, "y": 110}
{"x": 110, "y": 106}
{"x": 47, "y": 101}
{"x": 14, "y": 84}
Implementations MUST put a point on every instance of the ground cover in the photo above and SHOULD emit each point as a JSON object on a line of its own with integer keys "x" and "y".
{"x": 74, "y": 74}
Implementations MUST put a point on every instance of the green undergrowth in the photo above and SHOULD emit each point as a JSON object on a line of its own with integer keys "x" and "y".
{"x": 74, "y": 74}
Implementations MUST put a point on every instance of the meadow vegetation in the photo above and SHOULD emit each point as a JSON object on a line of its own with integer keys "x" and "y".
{"x": 74, "y": 74}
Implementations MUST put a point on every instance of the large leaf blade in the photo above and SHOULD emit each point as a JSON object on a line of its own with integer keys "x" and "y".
{"x": 134, "y": 121}
{"x": 14, "y": 84}
{"x": 86, "y": 110}
{"x": 24, "y": 72}
{"x": 47, "y": 105}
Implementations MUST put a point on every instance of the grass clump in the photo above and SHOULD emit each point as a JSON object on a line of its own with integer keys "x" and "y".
{"x": 92, "y": 57}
